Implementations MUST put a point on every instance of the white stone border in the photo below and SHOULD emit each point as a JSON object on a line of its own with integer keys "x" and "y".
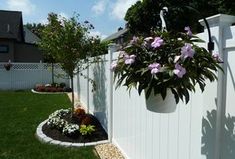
{"x": 32, "y": 90}
{"x": 43, "y": 138}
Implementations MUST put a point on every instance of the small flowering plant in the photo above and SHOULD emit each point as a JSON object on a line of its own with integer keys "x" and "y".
{"x": 165, "y": 61}
{"x": 70, "y": 129}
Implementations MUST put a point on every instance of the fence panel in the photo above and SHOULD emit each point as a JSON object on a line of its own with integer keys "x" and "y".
{"x": 202, "y": 129}
{"x": 27, "y": 75}
{"x": 96, "y": 101}
{"x": 144, "y": 134}
{"x": 228, "y": 128}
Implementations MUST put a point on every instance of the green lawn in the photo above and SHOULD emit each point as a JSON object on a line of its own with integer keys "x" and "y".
{"x": 20, "y": 114}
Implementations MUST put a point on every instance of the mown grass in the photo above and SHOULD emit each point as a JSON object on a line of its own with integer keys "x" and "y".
{"x": 20, "y": 114}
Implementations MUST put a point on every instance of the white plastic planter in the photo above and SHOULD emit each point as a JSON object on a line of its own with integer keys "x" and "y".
{"x": 155, "y": 103}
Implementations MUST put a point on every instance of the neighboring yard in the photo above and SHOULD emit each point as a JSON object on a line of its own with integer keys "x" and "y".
{"x": 20, "y": 114}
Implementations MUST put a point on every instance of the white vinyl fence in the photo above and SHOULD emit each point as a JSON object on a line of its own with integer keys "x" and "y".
{"x": 202, "y": 129}
{"x": 27, "y": 75}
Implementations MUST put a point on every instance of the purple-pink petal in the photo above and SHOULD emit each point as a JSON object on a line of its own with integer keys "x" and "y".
{"x": 157, "y": 42}
{"x": 134, "y": 40}
{"x": 189, "y": 32}
{"x": 154, "y": 67}
{"x": 129, "y": 59}
{"x": 154, "y": 71}
{"x": 187, "y": 51}
{"x": 113, "y": 65}
{"x": 217, "y": 57}
{"x": 179, "y": 71}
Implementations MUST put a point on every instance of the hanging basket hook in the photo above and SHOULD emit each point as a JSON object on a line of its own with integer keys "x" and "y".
{"x": 162, "y": 13}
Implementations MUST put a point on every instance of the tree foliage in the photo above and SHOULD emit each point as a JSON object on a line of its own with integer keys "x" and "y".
{"x": 68, "y": 42}
{"x": 144, "y": 15}
{"x": 35, "y": 28}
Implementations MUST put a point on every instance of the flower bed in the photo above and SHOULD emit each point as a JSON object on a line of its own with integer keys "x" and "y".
{"x": 80, "y": 128}
{"x": 52, "y": 88}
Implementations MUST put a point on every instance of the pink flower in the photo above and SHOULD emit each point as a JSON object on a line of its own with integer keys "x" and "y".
{"x": 189, "y": 32}
{"x": 134, "y": 40}
{"x": 187, "y": 51}
{"x": 179, "y": 71}
{"x": 129, "y": 59}
{"x": 217, "y": 57}
{"x": 113, "y": 65}
{"x": 155, "y": 68}
{"x": 157, "y": 42}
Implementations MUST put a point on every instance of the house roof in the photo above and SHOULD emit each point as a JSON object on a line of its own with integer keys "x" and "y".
{"x": 116, "y": 35}
{"x": 11, "y": 25}
{"x": 30, "y": 37}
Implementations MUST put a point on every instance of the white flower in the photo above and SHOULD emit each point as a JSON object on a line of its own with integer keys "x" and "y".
{"x": 70, "y": 129}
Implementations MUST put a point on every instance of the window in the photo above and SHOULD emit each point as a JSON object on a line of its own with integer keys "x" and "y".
{"x": 4, "y": 48}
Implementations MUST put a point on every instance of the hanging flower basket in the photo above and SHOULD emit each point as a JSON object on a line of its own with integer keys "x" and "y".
{"x": 165, "y": 61}
{"x": 155, "y": 103}
{"x": 8, "y": 65}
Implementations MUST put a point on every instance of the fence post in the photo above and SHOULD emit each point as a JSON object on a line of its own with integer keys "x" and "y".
{"x": 88, "y": 88}
{"x": 111, "y": 49}
{"x": 40, "y": 67}
{"x": 218, "y": 22}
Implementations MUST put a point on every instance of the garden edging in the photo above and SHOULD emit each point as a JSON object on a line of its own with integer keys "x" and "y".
{"x": 33, "y": 91}
{"x": 44, "y": 138}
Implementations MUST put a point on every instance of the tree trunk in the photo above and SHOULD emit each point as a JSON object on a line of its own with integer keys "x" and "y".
{"x": 72, "y": 87}
{"x": 52, "y": 72}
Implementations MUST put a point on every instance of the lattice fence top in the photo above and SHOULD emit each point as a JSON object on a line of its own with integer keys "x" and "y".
{"x": 25, "y": 66}
{"x": 30, "y": 66}
{"x": 49, "y": 66}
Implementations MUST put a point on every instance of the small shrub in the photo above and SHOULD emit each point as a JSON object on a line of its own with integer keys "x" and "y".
{"x": 57, "y": 122}
{"x": 86, "y": 129}
{"x": 79, "y": 112}
{"x": 62, "y": 85}
{"x": 70, "y": 129}
{"x": 86, "y": 119}
{"x": 60, "y": 113}
{"x": 55, "y": 119}
{"x": 54, "y": 87}
{"x": 67, "y": 89}
{"x": 40, "y": 88}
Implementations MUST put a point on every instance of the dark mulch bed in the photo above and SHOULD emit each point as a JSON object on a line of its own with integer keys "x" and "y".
{"x": 98, "y": 135}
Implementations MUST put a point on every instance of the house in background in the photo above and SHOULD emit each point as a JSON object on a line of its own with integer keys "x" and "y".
{"x": 119, "y": 37}
{"x": 17, "y": 43}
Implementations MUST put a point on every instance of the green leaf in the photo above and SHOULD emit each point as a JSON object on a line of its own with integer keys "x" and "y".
{"x": 202, "y": 85}
{"x": 149, "y": 90}
{"x": 175, "y": 95}
{"x": 163, "y": 93}
{"x": 186, "y": 95}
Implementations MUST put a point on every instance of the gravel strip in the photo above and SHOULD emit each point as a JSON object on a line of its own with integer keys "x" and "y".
{"x": 108, "y": 151}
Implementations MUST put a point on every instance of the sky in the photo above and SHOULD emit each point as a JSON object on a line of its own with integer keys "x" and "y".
{"x": 106, "y": 15}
